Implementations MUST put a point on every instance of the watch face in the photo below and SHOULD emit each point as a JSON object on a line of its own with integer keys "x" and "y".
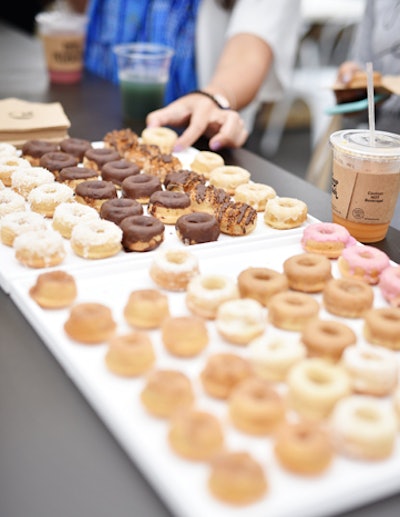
{"x": 222, "y": 101}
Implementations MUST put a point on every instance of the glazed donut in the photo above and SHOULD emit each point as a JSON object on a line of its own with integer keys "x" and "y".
{"x": 373, "y": 370}
{"x": 96, "y": 239}
{"x": 163, "y": 137}
{"x": 116, "y": 171}
{"x": 140, "y": 187}
{"x": 327, "y": 239}
{"x": 307, "y": 272}
{"x": 237, "y": 478}
{"x": 389, "y": 285}
{"x": 72, "y": 176}
{"x": 256, "y": 195}
{"x": 94, "y": 193}
{"x": 363, "y": 428}
{"x": 24, "y": 180}
{"x": 205, "y": 162}
{"x": 130, "y": 355}
{"x": 166, "y": 392}
{"x": 39, "y": 248}
{"x": 75, "y": 147}
{"x": 54, "y": 290}
{"x": 184, "y": 336}
{"x": 8, "y": 165}
{"x": 197, "y": 228}
{"x": 90, "y": 323}
{"x": 172, "y": 269}
{"x": 10, "y": 202}
{"x": 207, "y": 198}
{"x": 117, "y": 209}
{"x": 68, "y": 215}
{"x": 57, "y": 160}
{"x": 160, "y": 165}
{"x": 284, "y": 213}
{"x": 240, "y": 321}
{"x": 16, "y": 223}
{"x": 347, "y": 297}
{"x": 222, "y": 372}
{"x": 122, "y": 140}
{"x": 315, "y": 385}
{"x": 382, "y": 327}
{"x": 205, "y": 293}
{"x": 273, "y": 357}
{"x": 146, "y": 308}
{"x": 44, "y": 199}
{"x": 364, "y": 262}
{"x": 168, "y": 206}
{"x": 141, "y": 153}
{"x": 236, "y": 218}
{"x": 33, "y": 150}
{"x": 303, "y": 448}
{"x": 292, "y": 310}
{"x": 141, "y": 232}
{"x": 183, "y": 180}
{"x": 260, "y": 283}
{"x": 96, "y": 158}
{"x": 327, "y": 338}
{"x": 229, "y": 177}
{"x": 255, "y": 407}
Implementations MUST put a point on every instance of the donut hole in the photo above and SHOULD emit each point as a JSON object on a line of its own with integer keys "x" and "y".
{"x": 294, "y": 302}
{"x": 307, "y": 262}
{"x": 319, "y": 377}
{"x": 390, "y": 318}
{"x": 176, "y": 257}
{"x": 330, "y": 331}
{"x": 371, "y": 357}
{"x": 366, "y": 254}
{"x": 213, "y": 283}
{"x": 367, "y": 415}
{"x": 263, "y": 276}
{"x": 352, "y": 288}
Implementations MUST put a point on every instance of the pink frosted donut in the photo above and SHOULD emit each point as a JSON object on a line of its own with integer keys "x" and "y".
{"x": 389, "y": 284}
{"x": 328, "y": 239}
{"x": 364, "y": 262}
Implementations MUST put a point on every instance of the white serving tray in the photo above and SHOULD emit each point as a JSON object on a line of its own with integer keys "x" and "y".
{"x": 181, "y": 483}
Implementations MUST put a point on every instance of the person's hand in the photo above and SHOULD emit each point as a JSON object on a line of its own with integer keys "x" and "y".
{"x": 224, "y": 128}
{"x": 343, "y": 91}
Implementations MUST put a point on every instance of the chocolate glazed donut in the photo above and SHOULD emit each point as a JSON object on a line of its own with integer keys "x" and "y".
{"x": 141, "y": 233}
{"x": 75, "y": 175}
{"x": 75, "y": 146}
{"x": 119, "y": 208}
{"x": 55, "y": 161}
{"x": 140, "y": 187}
{"x": 95, "y": 192}
{"x": 96, "y": 158}
{"x": 33, "y": 150}
{"x": 116, "y": 171}
{"x": 197, "y": 227}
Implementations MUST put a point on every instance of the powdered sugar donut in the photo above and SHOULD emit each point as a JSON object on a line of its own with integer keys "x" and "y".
{"x": 328, "y": 239}
{"x": 68, "y": 215}
{"x": 8, "y": 165}
{"x": 172, "y": 269}
{"x": 240, "y": 321}
{"x": 7, "y": 149}
{"x": 96, "y": 239}
{"x": 364, "y": 262}
{"x": 45, "y": 198}
{"x": 16, "y": 223}
{"x": 389, "y": 284}
{"x": 39, "y": 248}
{"x": 11, "y": 201}
{"x": 205, "y": 293}
{"x": 23, "y": 180}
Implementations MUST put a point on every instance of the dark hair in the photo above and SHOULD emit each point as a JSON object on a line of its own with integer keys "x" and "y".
{"x": 226, "y": 4}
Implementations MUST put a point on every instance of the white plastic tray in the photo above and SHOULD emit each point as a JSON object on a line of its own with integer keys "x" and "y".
{"x": 183, "y": 484}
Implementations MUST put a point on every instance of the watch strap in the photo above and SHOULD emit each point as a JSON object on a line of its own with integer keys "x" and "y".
{"x": 218, "y": 99}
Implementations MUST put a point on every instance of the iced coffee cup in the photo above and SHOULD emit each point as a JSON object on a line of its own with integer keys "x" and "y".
{"x": 63, "y": 37}
{"x": 365, "y": 181}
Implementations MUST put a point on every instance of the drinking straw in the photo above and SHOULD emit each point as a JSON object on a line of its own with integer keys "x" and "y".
{"x": 371, "y": 103}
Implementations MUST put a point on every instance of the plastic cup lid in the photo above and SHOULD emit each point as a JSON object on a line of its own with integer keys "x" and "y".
{"x": 57, "y": 21}
{"x": 357, "y": 142}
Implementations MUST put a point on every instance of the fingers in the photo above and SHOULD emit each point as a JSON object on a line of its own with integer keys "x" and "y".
{"x": 346, "y": 72}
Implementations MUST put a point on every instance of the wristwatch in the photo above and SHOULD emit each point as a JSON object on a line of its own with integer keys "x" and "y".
{"x": 219, "y": 99}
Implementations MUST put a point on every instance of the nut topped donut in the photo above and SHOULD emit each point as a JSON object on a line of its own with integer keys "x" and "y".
{"x": 57, "y": 160}
{"x": 116, "y": 171}
{"x": 168, "y": 205}
{"x": 33, "y": 150}
{"x": 196, "y": 228}
{"x": 236, "y": 218}
{"x": 162, "y": 164}
{"x": 142, "y": 232}
{"x": 95, "y": 192}
{"x": 122, "y": 140}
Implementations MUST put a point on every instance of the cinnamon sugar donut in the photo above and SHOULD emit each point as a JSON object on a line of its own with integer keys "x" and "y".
{"x": 327, "y": 338}
{"x": 347, "y": 297}
{"x": 163, "y": 137}
{"x": 117, "y": 170}
{"x": 389, "y": 285}
{"x": 94, "y": 193}
{"x": 172, "y": 269}
{"x": 256, "y": 195}
{"x": 96, "y": 158}
{"x": 205, "y": 293}
{"x": 33, "y": 150}
{"x": 240, "y": 321}
{"x": 10, "y": 202}
{"x": 39, "y": 248}
{"x": 184, "y": 336}
{"x": 284, "y": 213}
{"x": 90, "y": 323}
{"x": 292, "y": 310}
{"x": 328, "y": 239}
{"x": 205, "y": 162}
{"x": 382, "y": 327}
{"x": 229, "y": 177}
{"x": 8, "y": 165}
{"x": 236, "y": 218}
{"x": 260, "y": 283}
{"x": 72, "y": 176}
{"x": 67, "y": 215}
{"x": 57, "y": 160}
{"x": 168, "y": 206}
{"x": 140, "y": 187}
{"x": 364, "y": 262}
{"x": 16, "y": 223}
{"x": 130, "y": 355}
{"x": 141, "y": 233}
{"x": 25, "y": 179}
{"x": 183, "y": 180}
{"x": 54, "y": 290}
{"x": 117, "y": 209}
{"x": 307, "y": 272}
{"x": 197, "y": 228}
{"x": 96, "y": 239}
{"x": 75, "y": 147}
{"x": 146, "y": 308}
{"x": 44, "y": 199}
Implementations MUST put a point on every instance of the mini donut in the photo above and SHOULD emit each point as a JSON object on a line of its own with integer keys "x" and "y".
{"x": 44, "y": 199}
{"x": 7, "y": 149}
{"x": 395, "y": 400}
{"x": 327, "y": 338}
{"x": 256, "y": 195}
{"x": 16, "y": 223}
{"x": 90, "y": 323}
{"x": 183, "y": 180}
{"x": 141, "y": 232}
{"x": 10, "y": 202}
{"x": 122, "y": 140}
{"x": 205, "y": 162}
{"x": 130, "y": 354}
{"x": 166, "y": 391}
{"x": 117, "y": 209}
{"x": 363, "y": 428}
{"x": 25, "y": 179}
{"x": 72, "y": 176}
{"x": 260, "y": 283}
{"x": 315, "y": 385}
{"x": 33, "y": 150}
{"x": 292, "y": 310}
{"x": 222, "y": 372}
{"x": 327, "y": 239}
{"x": 94, "y": 193}
{"x": 256, "y": 407}
{"x": 240, "y": 321}
{"x": 75, "y": 146}
{"x": 163, "y": 137}
{"x": 57, "y": 160}
{"x": 146, "y": 308}
{"x": 382, "y": 327}
{"x": 347, "y": 297}
{"x": 236, "y": 218}
{"x": 207, "y": 198}
{"x": 39, "y": 248}
{"x": 140, "y": 187}
{"x": 160, "y": 165}
{"x": 117, "y": 170}
{"x": 373, "y": 370}
{"x": 172, "y": 269}
{"x": 68, "y": 215}
{"x": 389, "y": 285}
{"x": 364, "y": 262}
{"x": 303, "y": 448}
{"x": 141, "y": 153}
{"x": 307, "y": 272}
{"x": 195, "y": 435}
{"x": 8, "y": 165}
{"x": 284, "y": 213}
{"x": 229, "y": 177}
{"x": 197, "y": 228}
{"x": 184, "y": 336}
{"x": 168, "y": 206}
{"x": 237, "y": 478}
{"x": 96, "y": 239}
{"x": 205, "y": 293}
{"x": 54, "y": 290}
{"x": 273, "y": 357}
{"x": 96, "y": 158}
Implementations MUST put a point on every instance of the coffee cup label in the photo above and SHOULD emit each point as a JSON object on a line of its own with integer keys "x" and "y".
{"x": 64, "y": 52}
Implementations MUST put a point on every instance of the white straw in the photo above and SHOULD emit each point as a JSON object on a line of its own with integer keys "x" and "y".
{"x": 371, "y": 103}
